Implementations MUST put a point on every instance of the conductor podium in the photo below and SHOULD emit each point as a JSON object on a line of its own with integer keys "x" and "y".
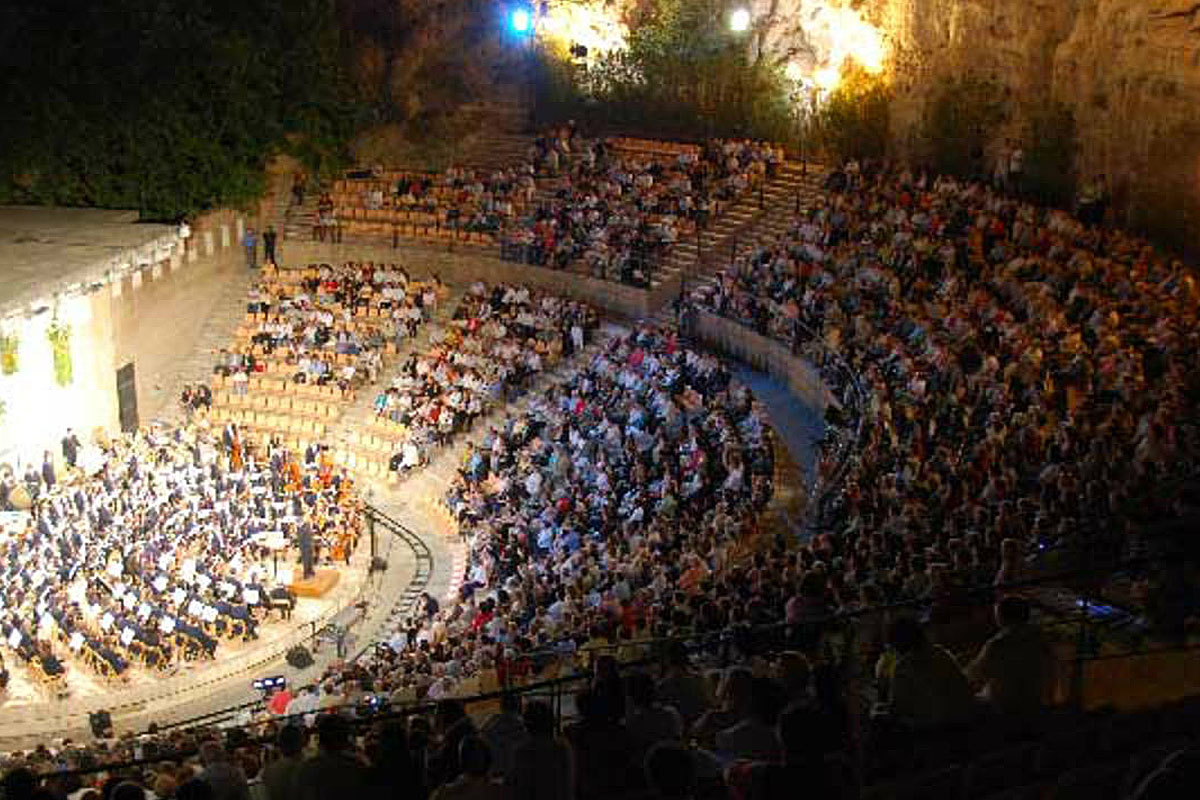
{"x": 321, "y": 583}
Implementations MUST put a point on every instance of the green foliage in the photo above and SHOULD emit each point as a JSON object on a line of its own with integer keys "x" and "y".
{"x": 166, "y": 106}
{"x": 684, "y": 74}
{"x": 1050, "y": 155}
{"x": 962, "y": 118}
{"x": 10, "y": 343}
{"x": 59, "y": 336}
{"x": 855, "y": 120}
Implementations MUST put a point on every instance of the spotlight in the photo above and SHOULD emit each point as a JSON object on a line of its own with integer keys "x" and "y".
{"x": 269, "y": 684}
{"x": 521, "y": 20}
{"x": 739, "y": 20}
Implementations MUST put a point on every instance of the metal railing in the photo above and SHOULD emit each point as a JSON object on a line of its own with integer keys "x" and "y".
{"x": 417, "y": 584}
{"x": 715, "y": 648}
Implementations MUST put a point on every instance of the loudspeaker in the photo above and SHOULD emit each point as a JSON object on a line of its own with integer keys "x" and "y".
{"x": 378, "y": 564}
{"x": 101, "y": 724}
{"x": 299, "y": 657}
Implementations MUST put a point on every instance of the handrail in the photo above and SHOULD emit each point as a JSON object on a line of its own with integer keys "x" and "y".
{"x": 815, "y": 508}
{"x": 707, "y": 638}
{"x": 697, "y": 641}
{"x": 419, "y": 581}
{"x": 405, "y": 710}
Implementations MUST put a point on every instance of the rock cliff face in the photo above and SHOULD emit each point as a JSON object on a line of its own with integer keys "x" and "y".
{"x": 1128, "y": 69}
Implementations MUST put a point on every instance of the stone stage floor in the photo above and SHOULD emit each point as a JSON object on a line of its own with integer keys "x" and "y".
{"x": 29, "y": 715}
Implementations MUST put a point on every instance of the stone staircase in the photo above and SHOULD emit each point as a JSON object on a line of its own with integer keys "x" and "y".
{"x": 796, "y": 190}
{"x": 416, "y": 499}
{"x": 755, "y": 214}
{"x": 356, "y": 419}
{"x": 218, "y": 331}
{"x": 298, "y": 221}
{"x": 500, "y": 139}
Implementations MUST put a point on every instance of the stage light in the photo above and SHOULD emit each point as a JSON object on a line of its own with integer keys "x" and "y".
{"x": 739, "y": 20}
{"x": 269, "y": 684}
{"x": 521, "y": 20}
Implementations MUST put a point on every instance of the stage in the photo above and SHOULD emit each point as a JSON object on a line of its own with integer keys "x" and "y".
{"x": 29, "y": 716}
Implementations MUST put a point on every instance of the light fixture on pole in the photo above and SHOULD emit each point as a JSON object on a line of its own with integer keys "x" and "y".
{"x": 521, "y": 20}
{"x": 739, "y": 20}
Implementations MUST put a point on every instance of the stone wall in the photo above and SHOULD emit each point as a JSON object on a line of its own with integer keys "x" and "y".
{"x": 765, "y": 355}
{"x": 1129, "y": 70}
{"x": 465, "y": 266}
{"x": 156, "y": 314}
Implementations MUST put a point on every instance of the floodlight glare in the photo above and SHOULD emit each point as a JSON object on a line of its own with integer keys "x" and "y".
{"x": 521, "y": 20}
{"x": 739, "y": 20}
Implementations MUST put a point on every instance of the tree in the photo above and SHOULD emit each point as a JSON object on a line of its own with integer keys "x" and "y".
{"x": 683, "y": 73}
{"x": 960, "y": 121}
{"x": 165, "y": 106}
{"x": 855, "y": 120}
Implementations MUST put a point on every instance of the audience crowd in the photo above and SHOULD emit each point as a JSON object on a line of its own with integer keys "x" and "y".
{"x": 459, "y": 198}
{"x": 331, "y": 325}
{"x": 605, "y": 510}
{"x": 1028, "y": 378}
{"x": 498, "y": 339}
{"x": 621, "y": 211}
{"x": 1030, "y": 386}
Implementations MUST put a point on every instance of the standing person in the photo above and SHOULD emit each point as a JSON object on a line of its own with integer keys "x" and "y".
{"x": 333, "y": 772}
{"x": 1016, "y": 168}
{"x": 269, "y": 239}
{"x": 280, "y": 775}
{"x": 250, "y": 242}
{"x": 299, "y": 184}
{"x": 48, "y": 476}
{"x": 185, "y": 234}
{"x": 70, "y": 448}
{"x": 225, "y": 778}
{"x": 543, "y": 767}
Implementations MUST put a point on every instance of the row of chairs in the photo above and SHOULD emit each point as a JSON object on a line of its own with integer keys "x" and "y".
{"x": 377, "y": 446}
{"x": 652, "y": 146}
{"x": 277, "y": 379}
{"x": 1101, "y": 758}
{"x": 363, "y": 463}
{"x": 421, "y": 233}
{"x": 270, "y": 423}
{"x": 366, "y": 319}
{"x": 291, "y": 406}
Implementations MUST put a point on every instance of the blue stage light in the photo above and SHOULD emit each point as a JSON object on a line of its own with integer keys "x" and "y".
{"x": 521, "y": 20}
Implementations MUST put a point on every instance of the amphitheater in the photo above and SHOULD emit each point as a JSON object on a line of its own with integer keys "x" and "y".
{"x": 877, "y": 396}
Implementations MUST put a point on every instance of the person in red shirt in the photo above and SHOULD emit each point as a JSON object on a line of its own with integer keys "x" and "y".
{"x": 278, "y": 702}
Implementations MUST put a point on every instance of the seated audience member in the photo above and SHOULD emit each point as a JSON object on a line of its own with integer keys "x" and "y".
{"x": 735, "y": 698}
{"x": 279, "y": 776}
{"x": 603, "y": 750}
{"x": 504, "y": 732}
{"x": 543, "y": 767}
{"x": 334, "y": 772}
{"x": 684, "y": 688}
{"x": 811, "y": 763}
{"x": 754, "y": 738}
{"x": 475, "y": 782}
{"x": 648, "y": 721}
{"x": 453, "y": 726}
{"x": 927, "y": 689}
{"x": 671, "y": 772}
{"x": 1014, "y": 670}
{"x": 226, "y": 778}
